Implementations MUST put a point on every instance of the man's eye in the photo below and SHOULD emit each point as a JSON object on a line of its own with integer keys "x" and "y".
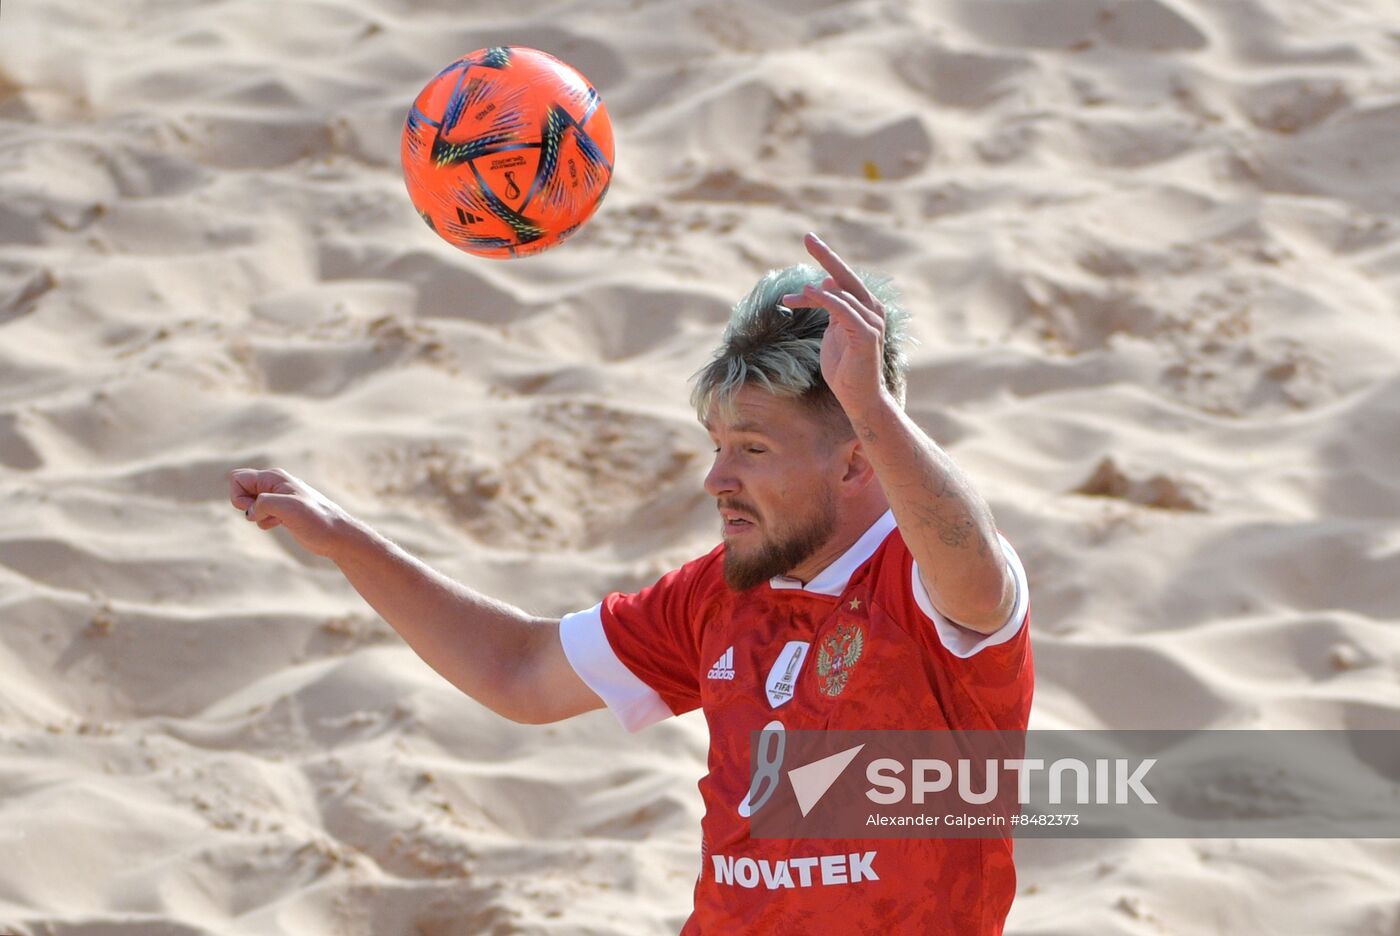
{"x": 755, "y": 449}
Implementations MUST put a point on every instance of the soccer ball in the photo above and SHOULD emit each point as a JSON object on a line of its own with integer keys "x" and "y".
{"x": 507, "y": 152}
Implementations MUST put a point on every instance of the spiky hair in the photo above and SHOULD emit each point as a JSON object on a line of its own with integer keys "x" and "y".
{"x": 779, "y": 349}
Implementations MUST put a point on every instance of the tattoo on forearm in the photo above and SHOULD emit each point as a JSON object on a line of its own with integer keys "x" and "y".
{"x": 942, "y": 509}
{"x": 940, "y": 501}
{"x": 946, "y": 504}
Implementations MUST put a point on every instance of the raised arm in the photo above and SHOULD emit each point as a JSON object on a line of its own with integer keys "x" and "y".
{"x": 945, "y": 522}
{"x": 511, "y": 662}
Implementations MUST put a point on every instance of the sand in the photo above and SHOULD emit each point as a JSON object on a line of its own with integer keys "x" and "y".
{"x": 1153, "y": 252}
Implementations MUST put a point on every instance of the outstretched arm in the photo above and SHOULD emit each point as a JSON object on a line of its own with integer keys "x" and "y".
{"x": 945, "y": 522}
{"x": 509, "y": 661}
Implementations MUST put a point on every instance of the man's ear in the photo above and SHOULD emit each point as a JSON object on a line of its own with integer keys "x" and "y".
{"x": 859, "y": 471}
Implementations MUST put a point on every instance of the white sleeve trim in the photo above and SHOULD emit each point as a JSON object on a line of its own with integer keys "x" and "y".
{"x": 586, "y": 646}
{"x": 960, "y": 641}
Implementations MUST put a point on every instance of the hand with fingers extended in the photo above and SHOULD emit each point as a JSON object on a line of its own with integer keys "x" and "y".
{"x": 852, "y": 356}
{"x": 271, "y": 497}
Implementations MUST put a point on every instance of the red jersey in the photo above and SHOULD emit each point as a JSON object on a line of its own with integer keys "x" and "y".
{"x": 745, "y": 658}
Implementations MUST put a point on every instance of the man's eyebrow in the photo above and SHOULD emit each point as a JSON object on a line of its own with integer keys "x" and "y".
{"x": 744, "y": 426}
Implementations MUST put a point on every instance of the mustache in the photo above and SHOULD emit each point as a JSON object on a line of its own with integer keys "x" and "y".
{"x": 730, "y": 503}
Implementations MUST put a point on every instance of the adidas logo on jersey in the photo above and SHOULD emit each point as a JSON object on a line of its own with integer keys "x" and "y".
{"x": 724, "y": 666}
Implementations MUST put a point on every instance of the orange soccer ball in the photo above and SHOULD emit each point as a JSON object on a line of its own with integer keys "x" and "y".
{"x": 507, "y": 152}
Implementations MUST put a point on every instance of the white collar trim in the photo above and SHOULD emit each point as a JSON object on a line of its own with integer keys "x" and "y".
{"x": 832, "y": 580}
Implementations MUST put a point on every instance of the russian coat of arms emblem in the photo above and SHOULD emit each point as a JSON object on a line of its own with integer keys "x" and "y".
{"x": 837, "y": 655}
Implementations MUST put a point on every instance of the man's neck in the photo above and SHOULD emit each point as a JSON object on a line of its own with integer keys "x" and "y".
{"x": 849, "y": 529}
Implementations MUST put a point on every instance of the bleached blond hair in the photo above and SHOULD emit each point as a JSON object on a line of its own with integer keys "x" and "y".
{"x": 779, "y": 349}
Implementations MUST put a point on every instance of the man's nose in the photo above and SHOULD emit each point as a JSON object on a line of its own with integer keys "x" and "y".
{"x": 721, "y": 479}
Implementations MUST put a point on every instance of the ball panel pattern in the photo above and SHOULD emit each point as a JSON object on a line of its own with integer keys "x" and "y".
{"x": 507, "y": 152}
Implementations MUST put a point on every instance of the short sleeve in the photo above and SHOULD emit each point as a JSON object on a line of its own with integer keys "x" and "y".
{"x": 640, "y": 652}
{"x": 982, "y": 680}
{"x": 964, "y": 643}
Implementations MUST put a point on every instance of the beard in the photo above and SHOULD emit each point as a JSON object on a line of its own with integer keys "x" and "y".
{"x": 784, "y": 551}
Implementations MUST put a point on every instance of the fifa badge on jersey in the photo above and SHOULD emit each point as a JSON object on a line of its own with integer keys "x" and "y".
{"x": 782, "y": 678}
{"x": 837, "y": 656}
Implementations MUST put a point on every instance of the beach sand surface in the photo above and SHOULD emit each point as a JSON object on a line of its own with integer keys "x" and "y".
{"x": 1152, "y": 251}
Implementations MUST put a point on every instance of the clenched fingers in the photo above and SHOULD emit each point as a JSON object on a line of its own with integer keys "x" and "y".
{"x": 245, "y": 484}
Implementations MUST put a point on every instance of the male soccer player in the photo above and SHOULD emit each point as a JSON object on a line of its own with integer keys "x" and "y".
{"x": 849, "y": 539}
